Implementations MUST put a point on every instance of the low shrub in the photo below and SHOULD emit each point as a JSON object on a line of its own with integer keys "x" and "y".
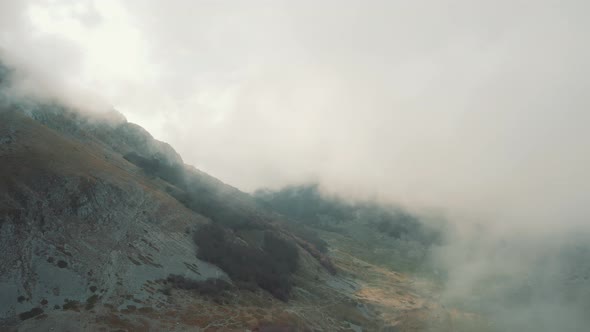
{"x": 204, "y": 287}
{"x": 269, "y": 267}
{"x": 30, "y": 314}
{"x": 308, "y": 235}
{"x": 158, "y": 166}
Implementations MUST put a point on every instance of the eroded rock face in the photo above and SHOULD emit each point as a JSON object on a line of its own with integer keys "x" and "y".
{"x": 79, "y": 225}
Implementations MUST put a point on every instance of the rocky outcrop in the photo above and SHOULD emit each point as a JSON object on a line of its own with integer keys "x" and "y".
{"x": 80, "y": 225}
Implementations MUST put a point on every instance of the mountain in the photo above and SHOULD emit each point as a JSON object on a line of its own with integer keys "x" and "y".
{"x": 104, "y": 228}
{"x": 391, "y": 235}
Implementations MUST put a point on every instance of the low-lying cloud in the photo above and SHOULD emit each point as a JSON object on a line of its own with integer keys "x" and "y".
{"x": 477, "y": 109}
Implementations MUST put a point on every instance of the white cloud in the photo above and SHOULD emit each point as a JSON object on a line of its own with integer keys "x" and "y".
{"x": 465, "y": 105}
{"x": 478, "y": 108}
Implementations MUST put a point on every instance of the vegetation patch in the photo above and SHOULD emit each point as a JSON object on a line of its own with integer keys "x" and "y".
{"x": 91, "y": 302}
{"x": 71, "y": 305}
{"x": 204, "y": 287}
{"x": 311, "y": 237}
{"x": 195, "y": 191}
{"x": 158, "y": 166}
{"x": 391, "y": 234}
{"x": 319, "y": 256}
{"x": 306, "y": 205}
{"x": 30, "y": 314}
{"x": 269, "y": 266}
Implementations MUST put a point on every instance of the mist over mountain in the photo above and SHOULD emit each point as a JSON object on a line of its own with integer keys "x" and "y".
{"x": 105, "y": 227}
{"x": 419, "y": 166}
{"x": 74, "y": 176}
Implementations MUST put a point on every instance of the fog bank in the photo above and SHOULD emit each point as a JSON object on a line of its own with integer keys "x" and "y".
{"x": 476, "y": 110}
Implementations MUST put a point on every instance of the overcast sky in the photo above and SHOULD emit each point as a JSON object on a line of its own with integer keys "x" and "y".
{"x": 479, "y": 108}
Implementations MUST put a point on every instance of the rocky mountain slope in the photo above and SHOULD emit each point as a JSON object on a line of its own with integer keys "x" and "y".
{"x": 103, "y": 228}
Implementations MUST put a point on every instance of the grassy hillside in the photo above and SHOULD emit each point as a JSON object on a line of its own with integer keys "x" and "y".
{"x": 391, "y": 235}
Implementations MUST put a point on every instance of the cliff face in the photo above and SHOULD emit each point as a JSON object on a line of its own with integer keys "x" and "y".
{"x": 95, "y": 213}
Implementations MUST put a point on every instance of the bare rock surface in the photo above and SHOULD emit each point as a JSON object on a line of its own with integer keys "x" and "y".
{"x": 77, "y": 226}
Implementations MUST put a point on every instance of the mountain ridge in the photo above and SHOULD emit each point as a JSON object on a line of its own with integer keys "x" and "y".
{"x": 104, "y": 227}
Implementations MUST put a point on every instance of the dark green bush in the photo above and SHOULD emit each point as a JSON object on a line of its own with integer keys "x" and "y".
{"x": 192, "y": 191}
{"x": 270, "y": 267}
{"x": 203, "y": 287}
{"x": 160, "y": 167}
{"x": 30, "y": 314}
{"x": 305, "y": 205}
{"x": 309, "y": 235}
